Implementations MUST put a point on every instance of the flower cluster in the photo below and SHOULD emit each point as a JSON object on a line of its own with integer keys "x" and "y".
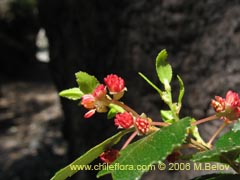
{"x": 126, "y": 120}
{"x": 99, "y": 100}
{"x": 228, "y": 108}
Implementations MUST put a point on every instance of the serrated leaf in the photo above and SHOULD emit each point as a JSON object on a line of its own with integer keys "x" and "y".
{"x": 167, "y": 116}
{"x": 88, "y": 157}
{"x": 149, "y": 150}
{"x": 228, "y": 146}
{"x": 114, "y": 109}
{"x": 181, "y": 90}
{"x": 86, "y": 82}
{"x": 163, "y": 68}
{"x": 73, "y": 93}
{"x": 236, "y": 126}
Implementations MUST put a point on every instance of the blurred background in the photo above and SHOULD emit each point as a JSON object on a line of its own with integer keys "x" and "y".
{"x": 43, "y": 43}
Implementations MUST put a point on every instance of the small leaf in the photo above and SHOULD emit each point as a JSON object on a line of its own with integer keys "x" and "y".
{"x": 236, "y": 126}
{"x": 73, "y": 93}
{"x": 167, "y": 116}
{"x": 154, "y": 148}
{"x": 86, "y": 82}
{"x": 89, "y": 156}
{"x": 181, "y": 90}
{"x": 195, "y": 133}
{"x": 151, "y": 83}
{"x": 164, "y": 69}
{"x": 114, "y": 109}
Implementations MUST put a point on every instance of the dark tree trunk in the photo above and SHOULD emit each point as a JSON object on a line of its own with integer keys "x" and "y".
{"x": 124, "y": 37}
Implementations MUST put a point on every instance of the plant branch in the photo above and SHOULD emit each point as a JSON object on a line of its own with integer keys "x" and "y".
{"x": 125, "y": 107}
{"x": 210, "y": 118}
{"x": 216, "y": 134}
{"x": 160, "y": 124}
{"x": 133, "y": 135}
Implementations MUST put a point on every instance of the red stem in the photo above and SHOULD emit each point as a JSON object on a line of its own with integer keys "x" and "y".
{"x": 216, "y": 133}
{"x": 160, "y": 124}
{"x": 125, "y": 107}
{"x": 210, "y": 118}
{"x": 133, "y": 135}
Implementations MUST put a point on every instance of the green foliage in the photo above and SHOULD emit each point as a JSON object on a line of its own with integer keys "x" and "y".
{"x": 227, "y": 149}
{"x": 167, "y": 116}
{"x": 236, "y": 126}
{"x": 181, "y": 91}
{"x": 86, "y": 82}
{"x": 89, "y": 156}
{"x": 114, "y": 109}
{"x": 150, "y": 150}
{"x": 163, "y": 68}
{"x": 72, "y": 94}
{"x": 151, "y": 83}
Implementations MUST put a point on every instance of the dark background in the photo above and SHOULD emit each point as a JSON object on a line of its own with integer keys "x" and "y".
{"x": 40, "y": 133}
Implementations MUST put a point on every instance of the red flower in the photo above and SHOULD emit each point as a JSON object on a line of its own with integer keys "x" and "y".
{"x": 114, "y": 83}
{"x": 95, "y": 102}
{"x": 109, "y": 156}
{"x": 124, "y": 120}
{"x": 100, "y": 91}
{"x": 88, "y": 101}
{"x": 228, "y": 108}
{"x": 142, "y": 125}
{"x": 218, "y": 104}
{"x": 232, "y": 99}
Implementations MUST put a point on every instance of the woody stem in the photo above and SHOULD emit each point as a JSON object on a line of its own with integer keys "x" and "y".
{"x": 160, "y": 124}
{"x": 125, "y": 107}
{"x": 210, "y": 118}
{"x": 133, "y": 135}
{"x": 216, "y": 133}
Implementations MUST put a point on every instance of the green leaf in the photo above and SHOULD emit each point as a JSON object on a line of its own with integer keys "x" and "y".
{"x": 236, "y": 126}
{"x": 227, "y": 147}
{"x": 154, "y": 148}
{"x": 73, "y": 93}
{"x": 164, "y": 69}
{"x": 230, "y": 139}
{"x": 86, "y": 82}
{"x": 167, "y": 116}
{"x": 89, "y": 156}
{"x": 194, "y": 131}
{"x": 151, "y": 83}
{"x": 181, "y": 91}
{"x": 114, "y": 109}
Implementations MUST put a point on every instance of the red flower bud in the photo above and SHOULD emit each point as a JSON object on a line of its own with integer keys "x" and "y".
{"x": 218, "y": 104}
{"x": 89, "y": 113}
{"x": 100, "y": 91}
{"x": 114, "y": 83}
{"x": 229, "y": 108}
{"x": 232, "y": 99}
{"x": 142, "y": 125}
{"x": 109, "y": 156}
{"x": 88, "y": 101}
{"x": 124, "y": 120}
